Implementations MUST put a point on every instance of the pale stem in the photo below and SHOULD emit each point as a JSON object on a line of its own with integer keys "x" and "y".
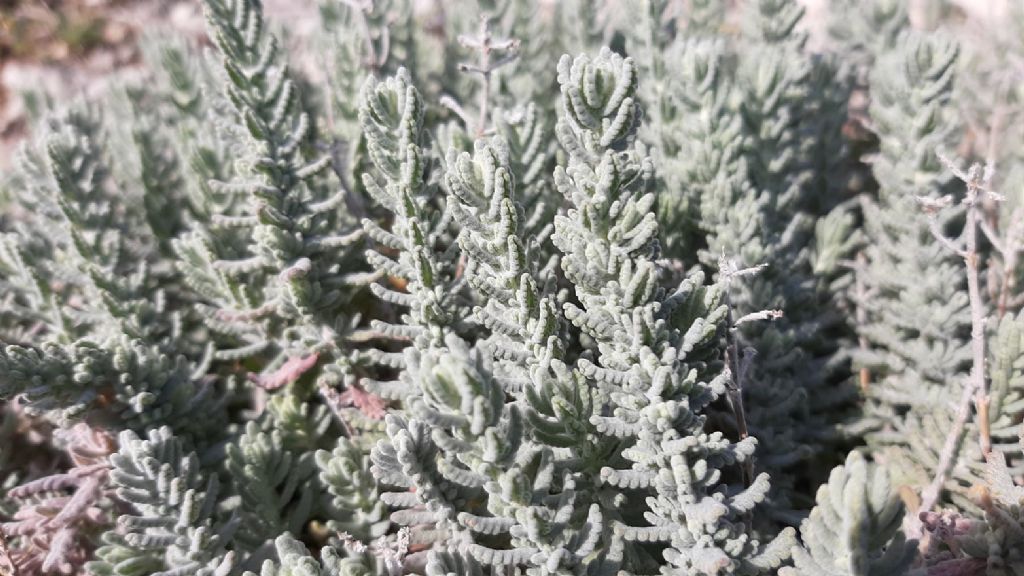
{"x": 976, "y": 388}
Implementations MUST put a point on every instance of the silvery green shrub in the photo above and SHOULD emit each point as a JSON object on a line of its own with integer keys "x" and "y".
{"x": 541, "y": 288}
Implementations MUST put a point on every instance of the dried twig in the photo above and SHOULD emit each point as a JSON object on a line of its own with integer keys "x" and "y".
{"x": 1008, "y": 247}
{"x": 486, "y": 46}
{"x": 861, "y": 316}
{"x": 976, "y": 388}
{"x": 738, "y": 364}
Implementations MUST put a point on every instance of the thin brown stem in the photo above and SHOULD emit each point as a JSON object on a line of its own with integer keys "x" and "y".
{"x": 738, "y": 367}
{"x": 976, "y": 389}
{"x": 861, "y": 316}
{"x": 979, "y": 384}
{"x": 738, "y": 364}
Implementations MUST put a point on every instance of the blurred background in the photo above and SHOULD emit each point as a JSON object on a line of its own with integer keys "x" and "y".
{"x": 70, "y": 47}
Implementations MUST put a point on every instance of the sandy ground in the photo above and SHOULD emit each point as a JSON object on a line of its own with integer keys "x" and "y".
{"x": 60, "y": 72}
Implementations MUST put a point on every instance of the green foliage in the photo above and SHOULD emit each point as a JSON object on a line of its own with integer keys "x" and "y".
{"x": 354, "y": 498}
{"x": 296, "y": 561}
{"x": 751, "y": 166}
{"x": 293, "y": 267}
{"x": 273, "y": 483}
{"x": 917, "y": 319}
{"x": 121, "y": 383}
{"x": 648, "y": 343}
{"x": 855, "y": 528}
{"x": 421, "y": 293}
{"x": 170, "y": 528}
{"x": 864, "y": 30}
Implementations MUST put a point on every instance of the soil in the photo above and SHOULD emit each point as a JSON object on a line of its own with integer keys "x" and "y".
{"x": 66, "y": 48}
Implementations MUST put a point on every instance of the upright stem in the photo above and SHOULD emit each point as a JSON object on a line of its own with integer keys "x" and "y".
{"x": 737, "y": 364}
{"x": 976, "y": 388}
{"x": 485, "y": 70}
{"x": 734, "y": 397}
{"x": 979, "y": 383}
{"x": 485, "y": 66}
{"x": 861, "y": 316}
{"x": 735, "y": 394}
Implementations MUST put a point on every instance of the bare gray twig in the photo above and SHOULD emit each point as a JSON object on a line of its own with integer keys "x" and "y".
{"x": 976, "y": 388}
